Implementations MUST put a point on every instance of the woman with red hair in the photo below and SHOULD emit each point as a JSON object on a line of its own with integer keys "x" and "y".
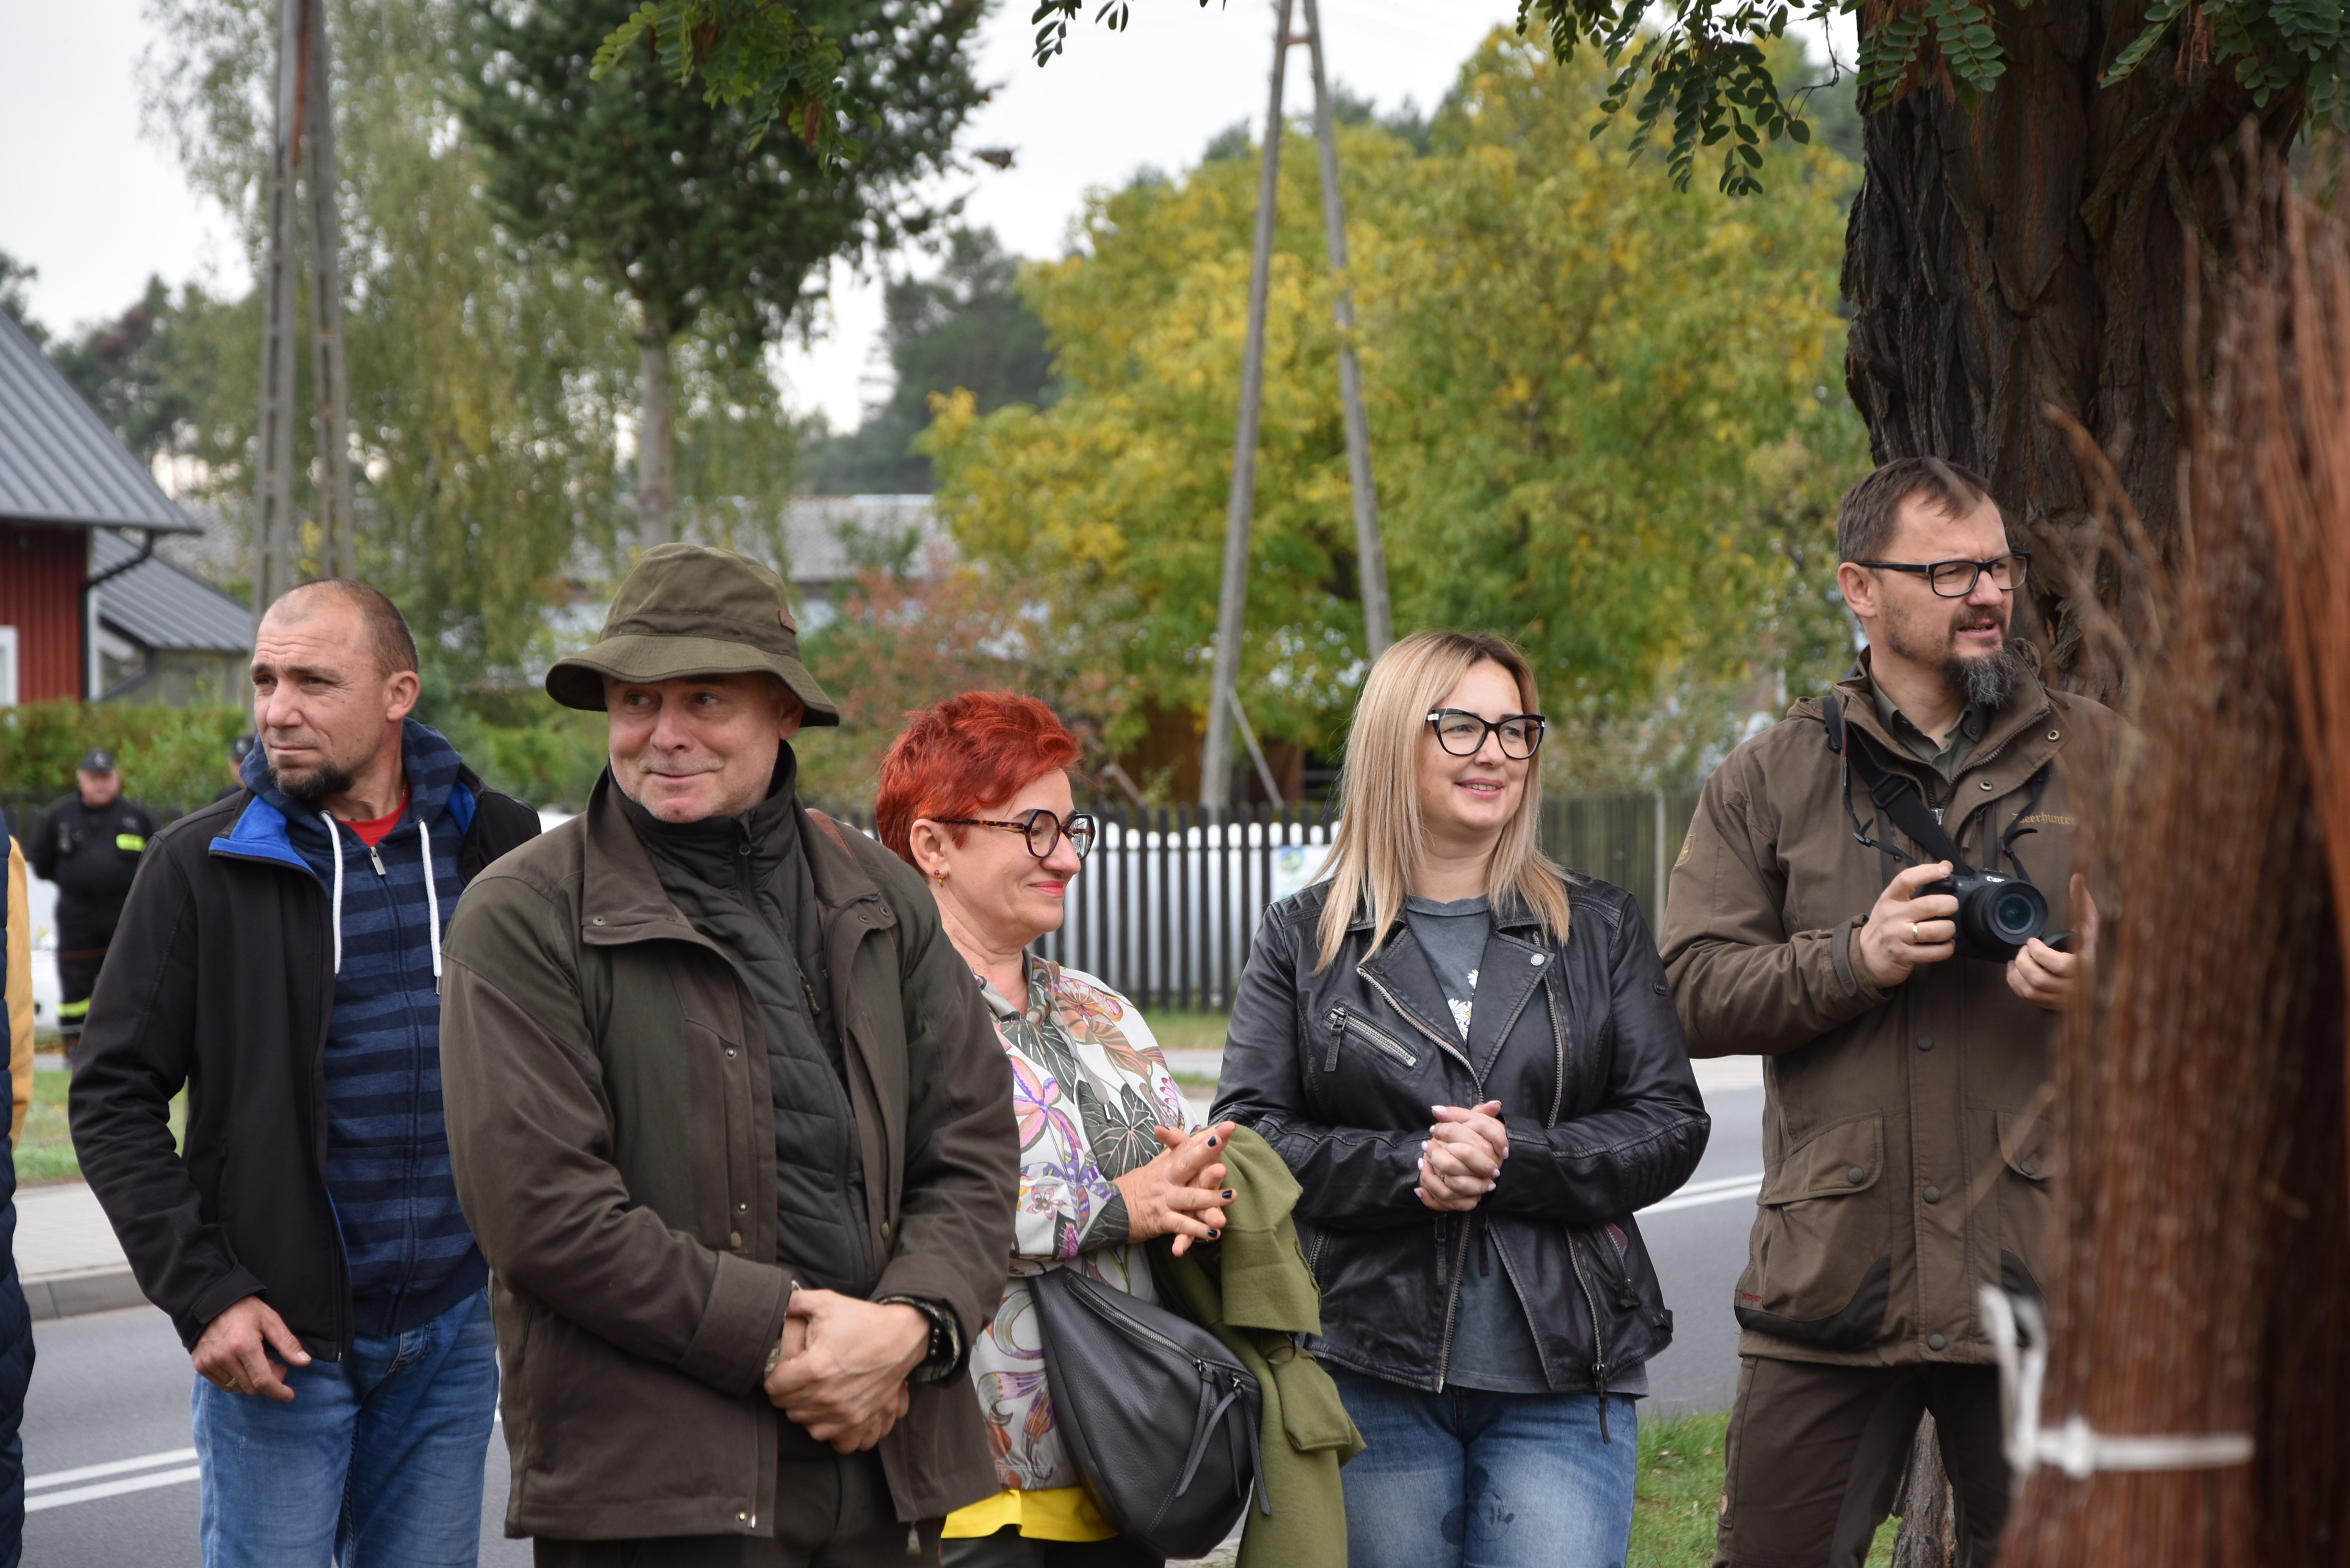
{"x": 976, "y": 796}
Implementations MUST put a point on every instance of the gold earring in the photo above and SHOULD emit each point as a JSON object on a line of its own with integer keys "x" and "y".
{"x": 941, "y": 879}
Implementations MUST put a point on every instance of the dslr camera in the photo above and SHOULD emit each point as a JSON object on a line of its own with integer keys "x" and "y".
{"x": 1997, "y": 915}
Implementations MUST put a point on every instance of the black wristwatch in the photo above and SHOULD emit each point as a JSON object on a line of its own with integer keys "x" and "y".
{"x": 946, "y": 1339}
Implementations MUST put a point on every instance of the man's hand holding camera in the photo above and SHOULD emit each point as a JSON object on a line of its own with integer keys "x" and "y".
{"x": 1909, "y": 927}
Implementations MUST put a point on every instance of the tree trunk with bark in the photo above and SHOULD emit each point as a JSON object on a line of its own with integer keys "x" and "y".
{"x": 2032, "y": 251}
{"x": 655, "y": 433}
{"x": 1930, "y": 1517}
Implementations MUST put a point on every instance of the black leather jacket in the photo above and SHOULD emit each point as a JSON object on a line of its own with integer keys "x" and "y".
{"x": 1337, "y": 1071}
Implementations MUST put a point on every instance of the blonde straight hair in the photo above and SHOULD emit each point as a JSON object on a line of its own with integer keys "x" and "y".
{"x": 1381, "y": 837}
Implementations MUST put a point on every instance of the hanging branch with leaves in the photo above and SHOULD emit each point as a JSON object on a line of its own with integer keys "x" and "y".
{"x": 757, "y": 55}
{"x": 1696, "y": 66}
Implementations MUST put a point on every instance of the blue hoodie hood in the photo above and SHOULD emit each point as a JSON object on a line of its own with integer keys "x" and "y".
{"x": 277, "y": 826}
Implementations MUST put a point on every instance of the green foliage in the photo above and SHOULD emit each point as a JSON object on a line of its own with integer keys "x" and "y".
{"x": 173, "y": 759}
{"x": 2273, "y": 44}
{"x": 1602, "y": 417}
{"x": 488, "y": 383}
{"x": 753, "y": 55}
{"x": 45, "y": 1153}
{"x": 968, "y": 328}
{"x": 1699, "y": 68}
{"x": 528, "y": 746}
{"x": 135, "y": 370}
{"x": 607, "y": 161}
{"x": 14, "y": 276}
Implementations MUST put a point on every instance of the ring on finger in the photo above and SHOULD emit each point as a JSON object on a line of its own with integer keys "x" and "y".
{"x": 1913, "y": 933}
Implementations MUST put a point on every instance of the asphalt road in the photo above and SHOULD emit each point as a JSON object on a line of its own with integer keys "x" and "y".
{"x": 112, "y": 1480}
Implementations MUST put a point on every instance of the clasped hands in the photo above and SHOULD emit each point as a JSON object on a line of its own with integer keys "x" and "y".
{"x": 1461, "y": 1160}
{"x": 842, "y": 1368}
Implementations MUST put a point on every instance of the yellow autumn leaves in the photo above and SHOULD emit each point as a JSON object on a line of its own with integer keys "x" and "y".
{"x": 1608, "y": 419}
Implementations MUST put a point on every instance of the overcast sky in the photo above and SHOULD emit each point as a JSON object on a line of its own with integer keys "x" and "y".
{"x": 97, "y": 208}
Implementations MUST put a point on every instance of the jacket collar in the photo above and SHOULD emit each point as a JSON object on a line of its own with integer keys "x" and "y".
{"x": 276, "y": 827}
{"x": 1510, "y": 914}
{"x": 2013, "y": 744}
{"x": 621, "y": 898}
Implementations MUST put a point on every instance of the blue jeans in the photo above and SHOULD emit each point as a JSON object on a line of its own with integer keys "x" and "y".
{"x": 1475, "y": 1479}
{"x": 376, "y": 1464}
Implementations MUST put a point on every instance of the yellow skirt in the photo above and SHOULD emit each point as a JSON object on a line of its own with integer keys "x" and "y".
{"x": 1055, "y": 1513}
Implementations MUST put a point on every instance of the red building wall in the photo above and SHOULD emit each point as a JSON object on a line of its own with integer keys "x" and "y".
{"x": 41, "y": 573}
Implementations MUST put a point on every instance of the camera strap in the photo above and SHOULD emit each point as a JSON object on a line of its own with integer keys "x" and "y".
{"x": 1898, "y": 798}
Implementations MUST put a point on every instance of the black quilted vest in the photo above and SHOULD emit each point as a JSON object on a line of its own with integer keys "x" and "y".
{"x": 743, "y": 882}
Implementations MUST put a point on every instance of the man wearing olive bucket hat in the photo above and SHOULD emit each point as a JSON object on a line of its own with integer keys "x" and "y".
{"x": 729, "y": 1123}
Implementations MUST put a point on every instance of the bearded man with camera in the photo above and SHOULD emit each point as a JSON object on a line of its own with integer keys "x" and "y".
{"x": 1876, "y": 896}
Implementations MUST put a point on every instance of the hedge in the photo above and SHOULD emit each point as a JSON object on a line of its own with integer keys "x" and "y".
{"x": 173, "y": 759}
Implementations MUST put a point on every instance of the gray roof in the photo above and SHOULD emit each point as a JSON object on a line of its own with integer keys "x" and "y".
{"x": 159, "y": 605}
{"x": 819, "y": 531}
{"x": 58, "y": 463}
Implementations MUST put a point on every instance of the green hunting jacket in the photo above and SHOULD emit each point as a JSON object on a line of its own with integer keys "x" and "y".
{"x": 611, "y": 1124}
{"x": 1253, "y": 1291}
{"x": 1909, "y": 1148}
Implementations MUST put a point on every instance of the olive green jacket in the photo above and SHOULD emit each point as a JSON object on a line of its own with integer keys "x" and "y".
{"x": 1906, "y": 1144}
{"x": 611, "y": 1126}
{"x": 1253, "y": 1291}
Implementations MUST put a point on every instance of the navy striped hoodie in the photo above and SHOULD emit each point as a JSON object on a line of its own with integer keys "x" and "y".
{"x": 411, "y": 1256}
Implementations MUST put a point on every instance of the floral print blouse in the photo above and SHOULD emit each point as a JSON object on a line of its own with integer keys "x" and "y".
{"x": 1088, "y": 1085}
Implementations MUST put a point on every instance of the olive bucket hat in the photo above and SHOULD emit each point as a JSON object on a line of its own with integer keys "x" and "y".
{"x": 688, "y": 609}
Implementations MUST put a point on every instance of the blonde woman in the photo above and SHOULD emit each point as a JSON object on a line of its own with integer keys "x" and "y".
{"x": 1469, "y": 1059}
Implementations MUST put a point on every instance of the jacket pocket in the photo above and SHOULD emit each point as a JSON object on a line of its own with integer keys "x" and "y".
{"x": 1821, "y": 1269}
{"x": 2028, "y": 1148}
{"x": 1344, "y": 1022}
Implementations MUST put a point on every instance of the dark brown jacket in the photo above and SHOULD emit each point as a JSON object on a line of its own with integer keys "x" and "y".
{"x": 612, "y": 1126}
{"x": 1906, "y": 1148}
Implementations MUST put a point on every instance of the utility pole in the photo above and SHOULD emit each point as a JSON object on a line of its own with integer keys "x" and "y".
{"x": 1371, "y": 562}
{"x": 1370, "y": 556}
{"x": 304, "y": 109}
{"x": 1232, "y": 601}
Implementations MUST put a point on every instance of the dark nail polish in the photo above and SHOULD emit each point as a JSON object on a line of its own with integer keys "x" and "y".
{"x": 1212, "y": 1142}
{"x": 1213, "y": 1234}
{"x": 1227, "y": 1195}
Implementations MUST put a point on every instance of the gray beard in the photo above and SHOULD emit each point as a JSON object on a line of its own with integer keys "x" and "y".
{"x": 1984, "y": 682}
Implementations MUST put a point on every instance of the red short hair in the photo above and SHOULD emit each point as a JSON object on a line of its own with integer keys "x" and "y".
{"x": 971, "y": 754}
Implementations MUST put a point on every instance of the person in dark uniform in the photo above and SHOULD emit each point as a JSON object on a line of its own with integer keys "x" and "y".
{"x": 236, "y": 753}
{"x": 88, "y": 843}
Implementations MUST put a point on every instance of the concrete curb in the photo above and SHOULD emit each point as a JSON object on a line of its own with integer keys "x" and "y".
{"x": 71, "y": 1295}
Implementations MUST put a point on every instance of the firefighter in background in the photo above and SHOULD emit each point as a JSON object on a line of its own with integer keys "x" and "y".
{"x": 88, "y": 843}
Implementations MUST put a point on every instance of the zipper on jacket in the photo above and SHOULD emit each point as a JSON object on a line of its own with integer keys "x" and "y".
{"x": 1600, "y": 1367}
{"x": 1558, "y": 1059}
{"x": 1341, "y": 1020}
{"x": 1448, "y": 1047}
{"x": 1451, "y": 1298}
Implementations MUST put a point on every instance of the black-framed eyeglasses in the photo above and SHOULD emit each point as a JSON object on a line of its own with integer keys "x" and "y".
{"x": 1956, "y": 579}
{"x": 1462, "y": 733}
{"x": 1043, "y": 830}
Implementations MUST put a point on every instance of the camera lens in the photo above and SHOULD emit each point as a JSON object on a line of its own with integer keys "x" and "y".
{"x": 2016, "y": 918}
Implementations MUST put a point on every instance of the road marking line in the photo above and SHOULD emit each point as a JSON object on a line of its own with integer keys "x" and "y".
{"x": 112, "y": 1467}
{"x": 109, "y": 1489}
{"x": 1722, "y": 1184}
{"x": 1712, "y": 1192}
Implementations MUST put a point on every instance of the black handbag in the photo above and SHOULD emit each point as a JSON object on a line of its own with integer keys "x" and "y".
{"x": 1123, "y": 1375}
